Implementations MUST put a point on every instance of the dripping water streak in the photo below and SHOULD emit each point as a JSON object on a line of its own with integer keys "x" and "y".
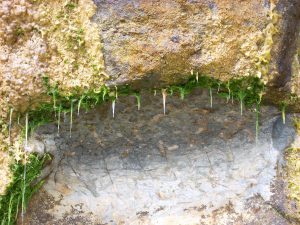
{"x": 113, "y": 106}
{"x": 283, "y": 115}
{"x": 164, "y": 94}
{"x": 79, "y": 104}
{"x": 229, "y": 94}
{"x": 116, "y": 91}
{"x": 25, "y": 168}
{"x": 71, "y": 118}
{"x": 241, "y": 107}
{"x": 10, "y": 124}
{"x": 138, "y": 100}
{"x": 211, "y": 98}
{"x": 139, "y": 105}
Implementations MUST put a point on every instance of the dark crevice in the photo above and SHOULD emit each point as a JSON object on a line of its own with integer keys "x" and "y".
{"x": 291, "y": 23}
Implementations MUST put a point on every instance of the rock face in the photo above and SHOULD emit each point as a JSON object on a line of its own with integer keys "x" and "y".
{"x": 195, "y": 165}
{"x": 81, "y": 45}
{"x": 148, "y": 42}
{"x": 162, "y": 41}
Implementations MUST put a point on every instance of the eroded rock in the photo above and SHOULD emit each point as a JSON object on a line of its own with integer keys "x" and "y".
{"x": 146, "y": 168}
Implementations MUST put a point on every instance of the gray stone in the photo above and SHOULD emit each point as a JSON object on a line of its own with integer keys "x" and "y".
{"x": 146, "y": 168}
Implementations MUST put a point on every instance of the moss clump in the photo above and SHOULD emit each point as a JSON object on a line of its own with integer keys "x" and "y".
{"x": 74, "y": 43}
{"x": 293, "y": 172}
{"x": 12, "y": 201}
{"x": 250, "y": 88}
{"x": 262, "y": 61}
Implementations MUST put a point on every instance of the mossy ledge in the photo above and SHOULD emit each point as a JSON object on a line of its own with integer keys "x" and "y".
{"x": 248, "y": 90}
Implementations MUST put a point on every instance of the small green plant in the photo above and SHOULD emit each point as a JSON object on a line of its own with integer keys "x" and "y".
{"x": 79, "y": 104}
{"x": 283, "y": 106}
{"x": 229, "y": 91}
{"x": 211, "y": 98}
{"x": 138, "y": 100}
{"x": 19, "y": 32}
{"x": 241, "y": 96}
{"x": 11, "y": 202}
{"x": 182, "y": 92}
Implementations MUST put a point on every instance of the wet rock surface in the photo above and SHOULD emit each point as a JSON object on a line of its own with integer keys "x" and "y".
{"x": 195, "y": 165}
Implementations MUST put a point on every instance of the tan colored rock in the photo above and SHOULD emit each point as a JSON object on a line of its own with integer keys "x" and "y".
{"x": 38, "y": 39}
{"x": 162, "y": 41}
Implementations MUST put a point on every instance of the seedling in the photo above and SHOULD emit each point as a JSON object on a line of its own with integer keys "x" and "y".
{"x": 283, "y": 106}
{"x": 241, "y": 96}
{"x": 182, "y": 92}
{"x": 79, "y": 104}
{"x": 211, "y": 98}
{"x": 138, "y": 100}
{"x": 229, "y": 91}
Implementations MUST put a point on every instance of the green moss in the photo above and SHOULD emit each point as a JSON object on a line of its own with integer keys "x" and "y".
{"x": 248, "y": 90}
{"x": 11, "y": 202}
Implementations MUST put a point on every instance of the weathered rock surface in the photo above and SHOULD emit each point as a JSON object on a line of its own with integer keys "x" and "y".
{"x": 148, "y": 42}
{"x": 80, "y": 45}
{"x": 163, "y": 40}
{"x": 195, "y": 165}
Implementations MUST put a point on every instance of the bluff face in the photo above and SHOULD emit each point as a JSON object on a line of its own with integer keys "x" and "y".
{"x": 80, "y": 45}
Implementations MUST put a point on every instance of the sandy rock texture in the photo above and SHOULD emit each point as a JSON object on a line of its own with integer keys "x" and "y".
{"x": 38, "y": 40}
{"x": 161, "y": 41}
{"x": 53, "y": 39}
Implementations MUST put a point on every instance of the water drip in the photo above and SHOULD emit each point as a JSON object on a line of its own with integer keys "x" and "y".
{"x": 113, "y": 106}
{"x": 79, "y": 104}
{"x": 164, "y": 94}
